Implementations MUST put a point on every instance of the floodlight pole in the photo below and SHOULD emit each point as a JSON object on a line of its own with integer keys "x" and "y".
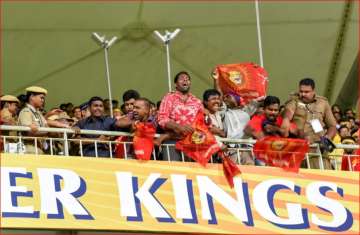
{"x": 106, "y": 45}
{"x": 108, "y": 80}
{"x": 166, "y": 38}
{"x": 259, "y": 33}
{"x": 168, "y": 64}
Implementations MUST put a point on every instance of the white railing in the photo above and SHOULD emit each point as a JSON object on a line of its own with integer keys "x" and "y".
{"x": 15, "y": 144}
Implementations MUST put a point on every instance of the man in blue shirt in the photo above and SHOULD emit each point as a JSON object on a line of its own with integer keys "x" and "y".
{"x": 98, "y": 121}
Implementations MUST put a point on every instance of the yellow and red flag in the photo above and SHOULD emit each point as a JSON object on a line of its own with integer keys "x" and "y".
{"x": 247, "y": 80}
{"x": 199, "y": 145}
{"x": 286, "y": 153}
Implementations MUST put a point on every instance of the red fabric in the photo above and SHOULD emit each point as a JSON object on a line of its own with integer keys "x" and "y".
{"x": 230, "y": 169}
{"x": 286, "y": 153}
{"x": 144, "y": 140}
{"x": 256, "y": 122}
{"x": 248, "y": 80}
{"x": 119, "y": 147}
{"x": 178, "y": 108}
{"x": 354, "y": 161}
{"x": 201, "y": 144}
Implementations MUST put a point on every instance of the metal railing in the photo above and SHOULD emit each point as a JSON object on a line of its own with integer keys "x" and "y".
{"x": 17, "y": 144}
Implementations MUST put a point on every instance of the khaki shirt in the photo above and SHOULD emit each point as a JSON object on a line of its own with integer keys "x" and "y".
{"x": 29, "y": 115}
{"x": 319, "y": 109}
{"x": 7, "y": 117}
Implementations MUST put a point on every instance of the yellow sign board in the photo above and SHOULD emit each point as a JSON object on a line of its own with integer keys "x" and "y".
{"x": 51, "y": 192}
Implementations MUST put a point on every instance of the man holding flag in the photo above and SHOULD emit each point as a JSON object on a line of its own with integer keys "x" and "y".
{"x": 177, "y": 112}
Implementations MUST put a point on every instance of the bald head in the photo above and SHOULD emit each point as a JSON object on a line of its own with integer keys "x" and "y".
{"x": 142, "y": 109}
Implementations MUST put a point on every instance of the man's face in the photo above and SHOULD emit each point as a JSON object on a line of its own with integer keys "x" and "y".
{"x": 213, "y": 103}
{"x": 97, "y": 108}
{"x": 346, "y": 123}
{"x": 129, "y": 105}
{"x": 343, "y": 132}
{"x": 106, "y": 104}
{"x": 69, "y": 108}
{"x": 153, "y": 110}
{"x": 307, "y": 94}
{"x": 77, "y": 113}
{"x": 337, "y": 117}
{"x": 271, "y": 112}
{"x": 349, "y": 113}
{"x": 85, "y": 113}
{"x": 141, "y": 111}
{"x": 230, "y": 101}
{"x": 38, "y": 100}
{"x": 183, "y": 83}
{"x": 13, "y": 107}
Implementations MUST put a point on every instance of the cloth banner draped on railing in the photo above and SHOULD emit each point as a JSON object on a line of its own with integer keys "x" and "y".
{"x": 286, "y": 153}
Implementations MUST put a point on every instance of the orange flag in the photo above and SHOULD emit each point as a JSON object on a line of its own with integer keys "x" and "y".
{"x": 144, "y": 140}
{"x": 201, "y": 144}
{"x": 247, "y": 80}
{"x": 230, "y": 169}
{"x": 354, "y": 161}
{"x": 286, "y": 153}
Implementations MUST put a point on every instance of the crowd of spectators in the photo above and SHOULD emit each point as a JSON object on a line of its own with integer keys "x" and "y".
{"x": 304, "y": 115}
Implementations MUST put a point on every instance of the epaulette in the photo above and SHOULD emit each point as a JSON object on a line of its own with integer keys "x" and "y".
{"x": 25, "y": 109}
{"x": 321, "y": 97}
{"x": 293, "y": 96}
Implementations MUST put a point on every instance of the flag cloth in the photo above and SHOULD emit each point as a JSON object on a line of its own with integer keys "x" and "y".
{"x": 144, "y": 140}
{"x": 201, "y": 144}
{"x": 247, "y": 80}
{"x": 119, "y": 147}
{"x": 230, "y": 169}
{"x": 353, "y": 160}
{"x": 286, "y": 153}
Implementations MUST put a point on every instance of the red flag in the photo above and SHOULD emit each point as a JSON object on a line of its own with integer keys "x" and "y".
{"x": 230, "y": 169}
{"x": 286, "y": 153}
{"x": 247, "y": 80}
{"x": 354, "y": 161}
{"x": 144, "y": 140}
{"x": 200, "y": 144}
{"x": 119, "y": 147}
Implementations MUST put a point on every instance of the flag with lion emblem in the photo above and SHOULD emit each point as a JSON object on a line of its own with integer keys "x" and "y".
{"x": 286, "y": 153}
{"x": 199, "y": 145}
{"x": 247, "y": 80}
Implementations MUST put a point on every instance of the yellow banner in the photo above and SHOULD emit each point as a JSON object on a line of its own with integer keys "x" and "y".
{"x": 50, "y": 192}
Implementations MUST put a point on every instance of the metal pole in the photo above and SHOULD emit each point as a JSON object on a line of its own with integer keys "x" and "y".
{"x": 168, "y": 63}
{"x": 108, "y": 80}
{"x": 66, "y": 145}
{"x": 259, "y": 32}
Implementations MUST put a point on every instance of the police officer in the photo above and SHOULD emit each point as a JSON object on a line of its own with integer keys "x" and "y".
{"x": 31, "y": 116}
{"x": 312, "y": 115}
{"x": 9, "y": 107}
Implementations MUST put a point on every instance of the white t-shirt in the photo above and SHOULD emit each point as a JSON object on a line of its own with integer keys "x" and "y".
{"x": 235, "y": 121}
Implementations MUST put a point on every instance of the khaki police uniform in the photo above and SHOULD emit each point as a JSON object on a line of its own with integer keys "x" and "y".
{"x": 6, "y": 116}
{"x": 319, "y": 109}
{"x": 28, "y": 116}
